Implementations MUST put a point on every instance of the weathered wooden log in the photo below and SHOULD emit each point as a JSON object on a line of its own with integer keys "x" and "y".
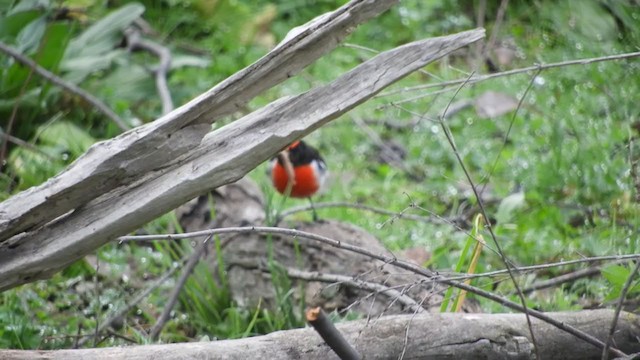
{"x": 429, "y": 336}
{"x": 123, "y": 160}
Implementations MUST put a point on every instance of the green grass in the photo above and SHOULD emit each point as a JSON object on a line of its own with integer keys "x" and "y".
{"x": 569, "y": 151}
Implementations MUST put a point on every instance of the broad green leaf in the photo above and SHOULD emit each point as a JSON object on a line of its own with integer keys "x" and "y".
{"x": 509, "y": 206}
{"x": 11, "y": 25}
{"x": 52, "y": 49}
{"x": 25, "y": 5}
{"x": 78, "y": 68}
{"x": 68, "y": 136}
{"x": 593, "y": 22}
{"x": 53, "y": 46}
{"x": 29, "y": 99}
{"x": 616, "y": 274}
{"x": 32, "y": 168}
{"x": 131, "y": 82}
{"x": 28, "y": 39}
{"x": 105, "y": 34}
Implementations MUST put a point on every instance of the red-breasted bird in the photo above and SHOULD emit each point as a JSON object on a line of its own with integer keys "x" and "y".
{"x": 307, "y": 166}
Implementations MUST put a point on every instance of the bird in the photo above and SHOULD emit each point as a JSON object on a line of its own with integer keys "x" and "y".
{"x": 304, "y": 164}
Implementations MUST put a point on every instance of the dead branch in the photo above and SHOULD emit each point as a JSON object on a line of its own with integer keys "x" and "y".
{"x": 136, "y": 42}
{"x": 478, "y": 78}
{"x": 151, "y": 147}
{"x": 223, "y": 156}
{"x": 391, "y": 260}
{"x": 358, "y": 206}
{"x": 447, "y": 335}
{"x": 331, "y": 335}
{"x": 503, "y": 256}
{"x": 616, "y": 314}
{"x": 56, "y": 80}
{"x": 27, "y": 145}
{"x": 177, "y": 289}
{"x": 351, "y": 281}
{"x": 120, "y": 313}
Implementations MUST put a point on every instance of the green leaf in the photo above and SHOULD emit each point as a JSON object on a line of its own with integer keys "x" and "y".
{"x": 105, "y": 34}
{"x": 29, "y": 38}
{"x": 616, "y": 275}
{"x": 78, "y": 68}
{"x": 593, "y": 22}
{"x": 509, "y": 206}
{"x": 53, "y": 46}
{"x": 25, "y": 5}
{"x": 11, "y": 25}
{"x": 131, "y": 83}
{"x": 71, "y": 138}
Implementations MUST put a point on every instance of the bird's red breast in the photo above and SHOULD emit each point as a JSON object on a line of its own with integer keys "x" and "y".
{"x": 308, "y": 167}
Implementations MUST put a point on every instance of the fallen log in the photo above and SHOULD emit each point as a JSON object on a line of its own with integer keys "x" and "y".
{"x": 430, "y": 336}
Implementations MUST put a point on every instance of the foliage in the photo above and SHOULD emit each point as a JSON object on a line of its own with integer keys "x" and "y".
{"x": 559, "y": 187}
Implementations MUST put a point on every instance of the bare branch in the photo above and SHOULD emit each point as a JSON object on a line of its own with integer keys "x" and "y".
{"x": 559, "y": 280}
{"x": 25, "y": 145}
{"x": 392, "y": 261}
{"x": 503, "y": 256}
{"x": 136, "y": 42}
{"x": 354, "y": 282}
{"x": 56, "y": 80}
{"x": 331, "y": 336}
{"x": 119, "y": 314}
{"x": 175, "y": 292}
{"x": 616, "y": 314}
{"x": 478, "y": 78}
{"x": 373, "y": 209}
{"x": 224, "y": 156}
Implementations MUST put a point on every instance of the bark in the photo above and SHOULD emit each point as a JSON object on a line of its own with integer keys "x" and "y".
{"x": 222, "y": 157}
{"x": 124, "y": 159}
{"x": 432, "y": 336}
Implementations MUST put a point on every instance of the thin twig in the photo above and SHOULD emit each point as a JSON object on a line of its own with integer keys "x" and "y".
{"x": 479, "y": 47}
{"x": 16, "y": 104}
{"x": 175, "y": 292}
{"x": 25, "y": 145}
{"x": 120, "y": 336}
{"x": 496, "y": 28}
{"x": 387, "y": 259}
{"x": 506, "y": 136}
{"x": 393, "y": 158}
{"x": 353, "y": 282}
{"x": 135, "y": 301}
{"x": 457, "y": 276}
{"x": 565, "y": 278}
{"x": 53, "y": 78}
{"x": 406, "y": 333}
{"x": 373, "y": 209}
{"x": 478, "y": 78}
{"x": 136, "y": 42}
{"x": 616, "y": 314}
{"x": 331, "y": 335}
{"x": 503, "y": 256}
{"x": 78, "y": 336}
{"x": 97, "y": 309}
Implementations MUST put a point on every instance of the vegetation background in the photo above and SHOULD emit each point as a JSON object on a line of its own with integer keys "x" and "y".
{"x": 558, "y": 166}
